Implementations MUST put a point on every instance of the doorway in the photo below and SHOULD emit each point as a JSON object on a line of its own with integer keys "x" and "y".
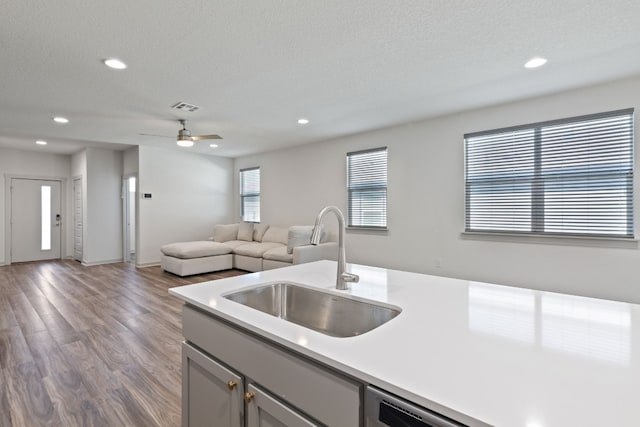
{"x": 35, "y": 219}
{"x": 129, "y": 213}
{"x": 78, "y": 220}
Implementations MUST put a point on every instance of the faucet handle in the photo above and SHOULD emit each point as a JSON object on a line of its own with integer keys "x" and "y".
{"x": 349, "y": 277}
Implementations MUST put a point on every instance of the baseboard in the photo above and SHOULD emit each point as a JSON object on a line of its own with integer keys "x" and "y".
{"x": 148, "y": 264}
{"x": 111, "y": 261}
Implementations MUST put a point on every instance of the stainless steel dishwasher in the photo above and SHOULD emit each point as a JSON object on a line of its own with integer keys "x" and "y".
{"x": 382, "y": 410}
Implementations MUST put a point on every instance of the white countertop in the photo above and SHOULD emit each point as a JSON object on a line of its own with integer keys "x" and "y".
{"x": 500, "y": 355}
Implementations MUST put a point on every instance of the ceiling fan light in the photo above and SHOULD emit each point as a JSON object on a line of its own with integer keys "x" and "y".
{"x": 184, "y": 141}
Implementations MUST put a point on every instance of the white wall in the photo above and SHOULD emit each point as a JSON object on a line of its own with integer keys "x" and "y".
{"x": 33, "y": 164}
{"x": 130, "y": 161}
{"x": 426, "y": 201}
{"x": 103, "y": 217}
{"x": 190, "y": 194}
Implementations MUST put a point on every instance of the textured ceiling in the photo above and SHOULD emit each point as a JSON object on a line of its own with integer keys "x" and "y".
{"x": 255, "y": 67}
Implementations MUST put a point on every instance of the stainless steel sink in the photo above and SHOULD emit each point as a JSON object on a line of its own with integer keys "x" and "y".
{"x": 324, "y": 312}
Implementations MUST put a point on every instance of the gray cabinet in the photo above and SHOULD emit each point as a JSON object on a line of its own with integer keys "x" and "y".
{"x": 212, "y": 395}
{"x": 293, "y": 391}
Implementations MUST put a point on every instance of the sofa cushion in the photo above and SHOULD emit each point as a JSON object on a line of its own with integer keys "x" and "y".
{"x": 258, "y": 231}
{"x": 256, "y": 250}
{"x": 235, "y": 243}
{"x": 199, "y": 249}
{"x": 276, "y": 235}
{"x": 299, "y": 235}
{"x": 225, "y": 232}
{"x": 245, "y": 231}
{"x": 278, "y": 254}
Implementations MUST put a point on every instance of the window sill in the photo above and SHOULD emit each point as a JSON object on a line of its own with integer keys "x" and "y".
{"x": 367, "y": 230}
{"x": 598, "y": 242}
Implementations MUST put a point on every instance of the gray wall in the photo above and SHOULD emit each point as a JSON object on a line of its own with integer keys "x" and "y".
{"x": 426, "y": 201}
{"x": 190, "y": 194}
{"x": 103, "y": 226}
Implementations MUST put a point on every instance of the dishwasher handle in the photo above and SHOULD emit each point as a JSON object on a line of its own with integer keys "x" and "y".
{"x": 383, "y": 410}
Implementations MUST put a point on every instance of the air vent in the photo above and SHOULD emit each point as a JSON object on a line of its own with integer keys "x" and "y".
{"x": 185, "y": 107}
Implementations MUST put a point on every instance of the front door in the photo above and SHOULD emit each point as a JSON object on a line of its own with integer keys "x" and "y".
{"x": 35, "y": 219}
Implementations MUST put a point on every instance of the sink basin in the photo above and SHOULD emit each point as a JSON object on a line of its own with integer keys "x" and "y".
{"x": 324, "y": 312}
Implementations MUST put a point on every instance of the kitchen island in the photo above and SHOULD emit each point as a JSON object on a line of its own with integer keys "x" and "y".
{"x": 477, "y": 353}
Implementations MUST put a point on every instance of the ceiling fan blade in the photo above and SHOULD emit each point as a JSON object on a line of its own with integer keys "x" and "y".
{"x": 199, "y": 137}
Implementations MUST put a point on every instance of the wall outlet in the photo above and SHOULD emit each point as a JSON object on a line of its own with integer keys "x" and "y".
{"x": 438, "y": 262}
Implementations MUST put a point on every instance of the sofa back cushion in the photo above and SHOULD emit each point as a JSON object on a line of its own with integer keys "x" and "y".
{"x": 299, "y": 235}
{"x": 258, "y": 231}
{"x": 225, "y": 232}
{"x": 276, "y": 235}
{"x": 245, "y": 231}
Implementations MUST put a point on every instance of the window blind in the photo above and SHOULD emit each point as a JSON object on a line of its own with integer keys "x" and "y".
{"x": 367, "y": 188}
{"x": 567, "y": 177}
{"x": 250, "y": 194}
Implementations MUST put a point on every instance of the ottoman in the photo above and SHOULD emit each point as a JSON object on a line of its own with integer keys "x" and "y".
{"x": 187, "y": 258}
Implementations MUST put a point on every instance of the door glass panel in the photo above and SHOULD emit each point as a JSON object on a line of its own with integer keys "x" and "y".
{"x": 45, "y": 203}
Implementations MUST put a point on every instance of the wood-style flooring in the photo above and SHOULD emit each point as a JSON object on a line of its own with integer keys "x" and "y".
{"x": 90, "y": 346}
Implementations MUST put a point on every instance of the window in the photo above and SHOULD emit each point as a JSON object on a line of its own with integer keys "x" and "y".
{"x": 571, "y": 177}
{"x": 250, "y": 194}
{"x": 45, "y": 217}
{"x": 367, "y": 188}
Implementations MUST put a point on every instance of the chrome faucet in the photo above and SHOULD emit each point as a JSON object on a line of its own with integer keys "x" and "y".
{"x": 344, "y": 278}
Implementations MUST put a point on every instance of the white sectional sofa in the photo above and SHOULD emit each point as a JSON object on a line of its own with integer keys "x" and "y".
{"x": 246, "y": 246}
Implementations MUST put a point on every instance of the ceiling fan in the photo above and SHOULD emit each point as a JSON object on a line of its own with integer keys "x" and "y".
{"x": 184, "y": 138}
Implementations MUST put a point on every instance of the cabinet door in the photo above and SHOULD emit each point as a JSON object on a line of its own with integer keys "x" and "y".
{"x": 265, "y": 411}
{"x": 211, "y": 394}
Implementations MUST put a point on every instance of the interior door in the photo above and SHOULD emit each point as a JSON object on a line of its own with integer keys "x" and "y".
{"x": 77, "y": 219}
{"x": 36, "y": 220}
{"x": 129, "y": 215}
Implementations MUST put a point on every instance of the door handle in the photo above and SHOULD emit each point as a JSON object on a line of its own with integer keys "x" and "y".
{"x": 58, "y": 219}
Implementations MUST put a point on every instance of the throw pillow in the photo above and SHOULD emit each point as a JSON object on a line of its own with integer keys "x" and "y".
{"x": 276, "y": 235}
{"x": 225, "y": 232}
{"x": 245, "y": 231}
{"x": 258, "y": 231}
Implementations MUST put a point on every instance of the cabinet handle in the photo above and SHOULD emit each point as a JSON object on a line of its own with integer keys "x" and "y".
{"x": 248, "y": 396}
{"x": 232, "y": 384}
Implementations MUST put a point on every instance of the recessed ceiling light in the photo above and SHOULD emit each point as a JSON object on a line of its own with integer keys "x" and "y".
{"x": 40, "y": 142}
{"x": 59, "y": 119}
{"x": 535, "y": 62}
{"x": 213, "y": 145}
{"x": 303, "y": 121}
{"x": 115, "y": 64}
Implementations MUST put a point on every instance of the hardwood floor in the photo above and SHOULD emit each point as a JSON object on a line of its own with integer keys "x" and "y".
{"x": 90, "y": 346}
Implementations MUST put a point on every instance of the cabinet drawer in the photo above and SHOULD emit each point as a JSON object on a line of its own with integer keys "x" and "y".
{"x": 324, "y": 395}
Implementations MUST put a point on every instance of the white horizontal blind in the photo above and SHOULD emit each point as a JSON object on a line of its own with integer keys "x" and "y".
{"x": 566, "y": 177}
{"x": 367, "y": 188}
{"x": 250, "y": 194}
